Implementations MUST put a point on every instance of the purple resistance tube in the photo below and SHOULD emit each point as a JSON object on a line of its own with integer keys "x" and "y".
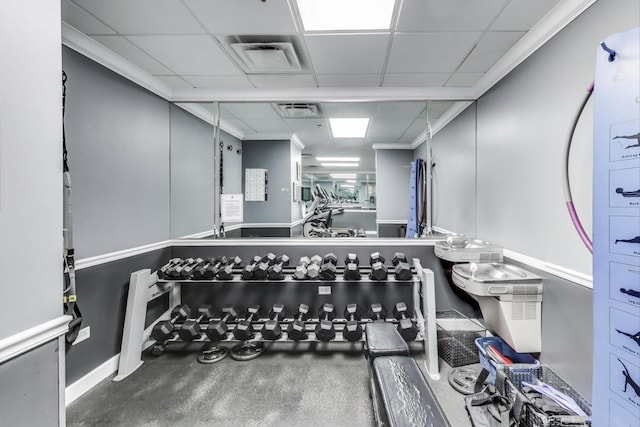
{"x": 578, "y": 225}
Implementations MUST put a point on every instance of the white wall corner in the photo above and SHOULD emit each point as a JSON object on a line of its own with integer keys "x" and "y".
{"x": 297, "y": 141}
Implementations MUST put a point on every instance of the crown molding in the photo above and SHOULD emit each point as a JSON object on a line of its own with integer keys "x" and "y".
{"x": 393, "y": 146}
{"x": 297, "y": 141}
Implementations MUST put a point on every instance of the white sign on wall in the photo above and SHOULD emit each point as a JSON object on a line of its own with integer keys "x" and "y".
{"x": 255, "y": 185}
{"x": 231, "y": 208}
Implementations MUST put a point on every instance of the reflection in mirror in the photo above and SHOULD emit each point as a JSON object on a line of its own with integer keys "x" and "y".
{"x": 293, "y": 164}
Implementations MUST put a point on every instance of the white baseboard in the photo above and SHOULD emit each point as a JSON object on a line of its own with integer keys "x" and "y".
{"x": 92, "y": 379}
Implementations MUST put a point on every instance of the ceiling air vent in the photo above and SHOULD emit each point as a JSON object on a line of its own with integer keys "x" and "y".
{"x": 295, "y": 111}
{"x": 276, "y": 57}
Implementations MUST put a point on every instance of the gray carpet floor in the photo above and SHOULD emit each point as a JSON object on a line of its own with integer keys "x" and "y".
{"x": 284, "y": 387}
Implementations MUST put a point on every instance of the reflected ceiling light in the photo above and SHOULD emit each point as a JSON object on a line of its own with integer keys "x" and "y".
{"x": 351, "y": 180}
{"x": 342, "y": 175}
{"x": 326, "y": 15}
{"x": 348, "y": 128}
{"x": 347, "y": 185}
{"x": 330, "y": 165}
{"x": 338, "y": 159}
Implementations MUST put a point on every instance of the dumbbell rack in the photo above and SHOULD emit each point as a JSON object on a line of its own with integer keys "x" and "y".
{"x": 145, "y": 286}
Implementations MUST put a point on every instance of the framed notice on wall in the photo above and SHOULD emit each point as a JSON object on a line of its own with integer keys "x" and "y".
{"x": 255, "y": 185}
{"x": 231, "y": 208}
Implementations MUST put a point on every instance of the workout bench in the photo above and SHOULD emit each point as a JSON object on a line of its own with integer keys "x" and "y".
{"x": 400, "y": 393}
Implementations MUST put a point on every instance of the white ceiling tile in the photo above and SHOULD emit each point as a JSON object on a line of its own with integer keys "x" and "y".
{"x": 277, "y": 80}
{"x": 132, "y": 53}
{"x": 349, "y": 109}
{"x": 390, "y": 129}
{"x": 144, "y": 16}
{"x": 208, "y": 82}
{"x": 464, "y": 79}
{"x": 244, "y": 17}
{"x": 348, "y": 80}
{"x": 189, "y": 55}
{"x": 267, "y": 125}
{"x": 430, "y": 52}
{"x": 78, "y": 18}
{"x": 251, "y": 110}
{"x": 522, "y": 15}
{"x": 306, "y": 125}
{"x": 174, "y": 82}
{"x": 415, "y": 80}
{"x": 239, "y": 124}
{"x": 347, "y": 53}
{"x": 491, "y": 48}
{"x": 448, "y": 15}
{"x": 399, "y": 109}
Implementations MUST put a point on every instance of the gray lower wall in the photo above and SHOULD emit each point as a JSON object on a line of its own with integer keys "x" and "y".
{"x": 30, "y": 387}
{"x": 454, "y": 176}
{"x": 192, "y": 178}
{"x": 232, "y": 168}
{"x": 118, "y": 140}
{"x": 102, "y": 291}
{"x": 275, "y": 157}
{"x": 393, "y": 169}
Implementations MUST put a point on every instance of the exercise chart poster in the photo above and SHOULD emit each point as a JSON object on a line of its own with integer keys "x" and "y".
{"x": 616, "y": 230}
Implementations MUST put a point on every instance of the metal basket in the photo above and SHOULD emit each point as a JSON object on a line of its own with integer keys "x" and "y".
{"x": 456, "y": 338}
{"x": 530, "y": 416}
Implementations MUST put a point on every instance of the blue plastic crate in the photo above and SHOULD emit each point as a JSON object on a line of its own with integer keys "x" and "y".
{"x": 521, "y": 361}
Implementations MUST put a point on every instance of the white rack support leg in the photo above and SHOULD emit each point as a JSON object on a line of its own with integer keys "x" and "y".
{"x": 427, "y": 320}
{"x": 143, "y": 287}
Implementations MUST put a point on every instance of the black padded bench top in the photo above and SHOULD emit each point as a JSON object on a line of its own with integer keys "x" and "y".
{"x": 404, "y": 395}
{"x": 384, "y": 340}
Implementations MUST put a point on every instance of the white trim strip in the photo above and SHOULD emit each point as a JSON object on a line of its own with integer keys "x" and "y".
{"x": 201, "y": 234}
{"x": 348, "y": 241}
{"x": 267, "y": 225}
{"x": 297, "y": 223}
{"x": 391, "y": 221}
{"x": 115, "y": 256}
{"x": 359, "y": 210}
{"x": 393, "y": 146}
{"x": 556, "y": 270}
{"x": 90, "y": 380}
{"x": 20, "y": 343}
{"x": 233, "y": 227}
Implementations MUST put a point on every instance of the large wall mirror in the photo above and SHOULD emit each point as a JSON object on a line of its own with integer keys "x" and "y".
{"x": 286, "y": 164}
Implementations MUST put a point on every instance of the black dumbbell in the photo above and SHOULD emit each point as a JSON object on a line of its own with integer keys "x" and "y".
{"x": 244, "y": 329}
{"x": 176, "y": 271}
{"x": 206, "y": 270}
{"x": 261, "y": 270}
{"x": 352, "y": 330}
{"x": 407, "y": 328}
{"x": 276, "y": 271}
{"x": 399, "y": 257}
{"x": 316, "y": 259}
{"x": 163, "y": 330}
{"x": 271, "y": 328}
{"x": 162, "y": 271}
{"x": 325, "y": 330}
{"x": 270, "y": 258}
{"x": 188, "y": 270}
{"x": 377, "y": 312}
{"x": 351, "y": 258}
{"x": 190, "y": 329}
{"x": 247, "y": 272}
{"x": 402, "y": 271}
{"x": 378, "y": 271}
{"x": 226, "y": 273}
{"x": 296, "y": 329}
{"x": 376, "y": 257}
{"x": 301, "y": 269}
{"x": 330, "y": 258}
{"x": 328, "y": 271}
{"x": 217, "y": 331}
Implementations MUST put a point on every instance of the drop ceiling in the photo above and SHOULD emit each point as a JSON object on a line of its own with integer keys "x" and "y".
{"x": 435, "y": 49}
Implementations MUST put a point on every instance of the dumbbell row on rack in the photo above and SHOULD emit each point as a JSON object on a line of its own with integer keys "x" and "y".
{"x": 299, "y": 328}
{"x": 273, "y": 267}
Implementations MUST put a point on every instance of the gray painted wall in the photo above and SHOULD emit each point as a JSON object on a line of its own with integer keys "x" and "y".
{"x": 454, "y": 176}
{"x": 232, "y": 169}
{"x": 30, "y": 388}
{"x": 296, "y": 158}
{"x": 118, "y": 139}
{"x": 30, "y": 164}
{"x": 275, "y": 157}
{"x": 523, "y": 123}
{"x": 192, "y": 178}
{"x": 393, "y": 168}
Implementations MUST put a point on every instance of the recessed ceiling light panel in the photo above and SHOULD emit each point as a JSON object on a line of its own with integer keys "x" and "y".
{"x": 343, "y": 175}
{"x": 330, "y": 15}
{"x": 338, "y": 159}
{"x": 338, "y": 164}
{"x": 349, "y": 128}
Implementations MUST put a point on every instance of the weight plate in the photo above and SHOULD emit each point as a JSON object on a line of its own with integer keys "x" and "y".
{"x": 213, "y": 355}
{"x": 157, "y": 350}
{"x": 463, "y": 380}
{"x": 247, "y": 351}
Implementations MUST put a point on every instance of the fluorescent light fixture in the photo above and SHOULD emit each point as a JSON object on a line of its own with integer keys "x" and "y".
{"x": 327, "y": 15}
{"x": 347, "y": 185}
{"x": 338, "y": 159}
{"x": 348, "y": 128}
{"x": 342, "y": 175}
{"x": 339, "y": 164}
{"x": 351, "y": 181}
